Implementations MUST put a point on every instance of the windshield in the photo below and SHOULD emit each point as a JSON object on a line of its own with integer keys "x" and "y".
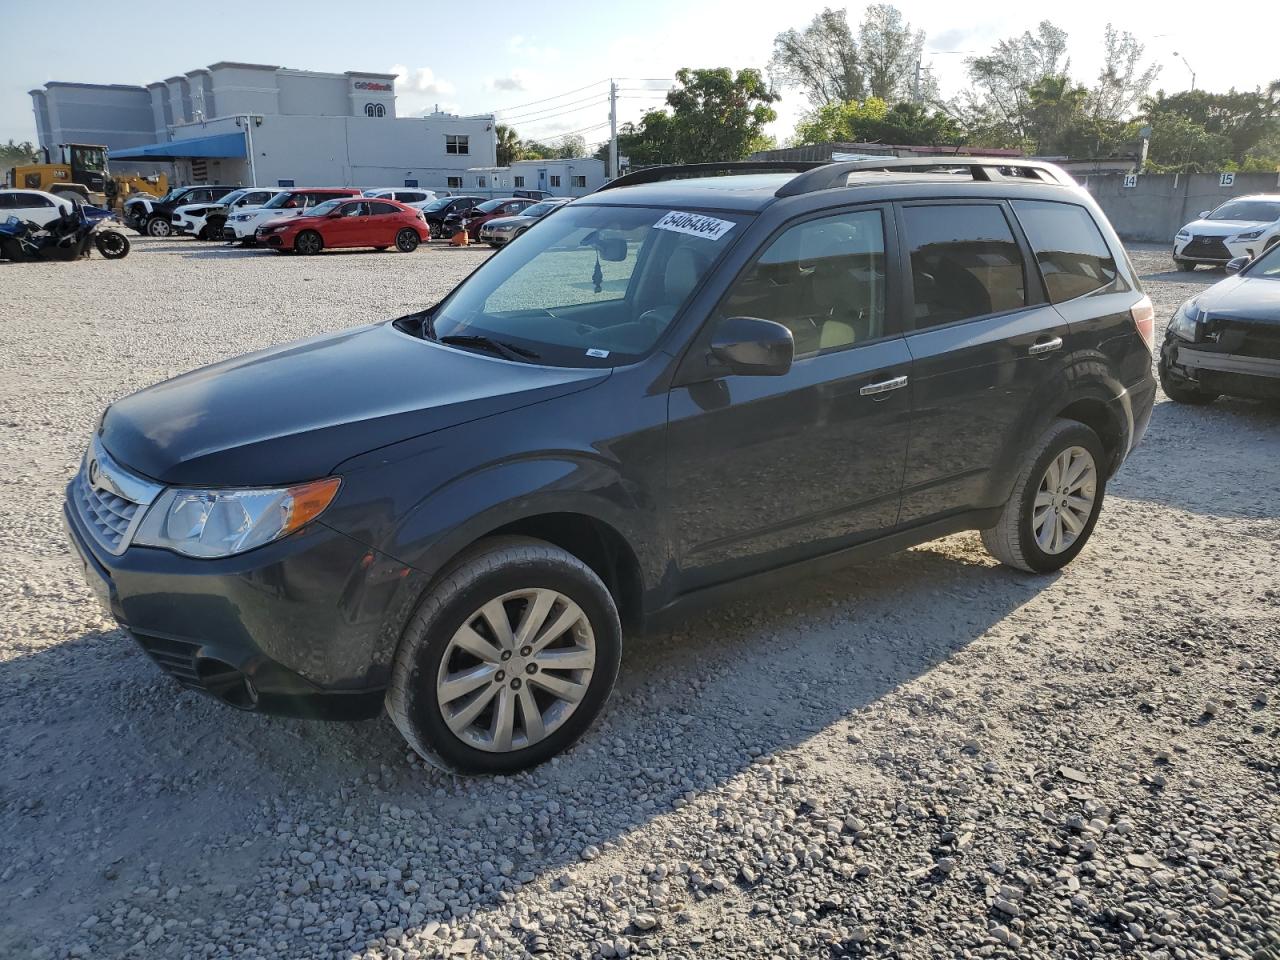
{"x": 594, "y": 286}
{"x": 1260, "y": 210}
{"x": 232, "y": 197}
{"x": 278, "y": 201}
{"x": 489, "y": 206}
{"x": 437, "y": 204}
{"x": 540, "y": 209}
{"x": 323, "y": 209}
{"x": 1266, "y": 267}
{"x": 172, "y": 194}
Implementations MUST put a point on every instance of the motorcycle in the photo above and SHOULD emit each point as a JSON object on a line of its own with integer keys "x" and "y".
{"x": 67, "y": 238}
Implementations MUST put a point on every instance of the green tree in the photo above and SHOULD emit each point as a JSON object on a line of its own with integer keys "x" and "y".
{"x": 15, "y": 154}
{"x": 999, "y": 103}
{"x": 1179, "y": 144}
{"x": 874, "y": 121}
{"x": 822, "y": 59}
{"x": 889, "y": 53}
{"x": 1123, "y": 81}
{"x": 715, "y": 114}
{"x": 1247, "y": 119}
{"x": 509, "y": 146}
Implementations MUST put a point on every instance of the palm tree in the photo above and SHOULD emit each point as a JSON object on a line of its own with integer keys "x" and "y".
{"x": 508, "y": 145}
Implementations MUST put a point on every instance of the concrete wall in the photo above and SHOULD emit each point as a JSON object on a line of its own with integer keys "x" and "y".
{"x": 117, "y": 116}
{"x": 245, "y": 88}
{"x": 1159, "y": 204}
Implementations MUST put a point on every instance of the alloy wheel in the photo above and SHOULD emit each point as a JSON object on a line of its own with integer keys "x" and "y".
{"x": 158, "y": 227}
{"x": 516, "y": 670}
{"x": 307, "y": 242}
{"x": 406, "y": 241}
{"x": 1065, "y": 500}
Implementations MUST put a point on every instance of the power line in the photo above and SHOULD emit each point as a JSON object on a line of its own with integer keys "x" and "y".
{"x": 535, "y": 115}
{"x": 558, "y": 96}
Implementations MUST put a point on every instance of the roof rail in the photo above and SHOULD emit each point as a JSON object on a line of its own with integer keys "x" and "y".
{"x": 683, "y": 171}
{"x": 831, "y": 175}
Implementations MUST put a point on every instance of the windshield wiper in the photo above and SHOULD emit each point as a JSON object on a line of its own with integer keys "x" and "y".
{"x": 508, "y": 351}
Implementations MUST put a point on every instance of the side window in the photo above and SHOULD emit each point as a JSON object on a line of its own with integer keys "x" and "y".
{"x": 965, "y": 263}
{"x": 824, "y": 279}
{"x": 32, "y": 200}
{"x": 378, "y": 209}
{"x": 1073, "y": 257}
{"x": 7, "y": 201}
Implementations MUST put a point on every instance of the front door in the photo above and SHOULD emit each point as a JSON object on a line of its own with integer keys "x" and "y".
{"x": 763, "y": 471}
{"x": 983, "y": 342}
{"x": 349, "y": 227}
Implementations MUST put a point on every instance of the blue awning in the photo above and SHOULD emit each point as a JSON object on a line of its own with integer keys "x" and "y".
{"x": 221, "y": 145}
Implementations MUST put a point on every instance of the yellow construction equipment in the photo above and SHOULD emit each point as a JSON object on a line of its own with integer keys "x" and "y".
{"x": 81, "y": 169}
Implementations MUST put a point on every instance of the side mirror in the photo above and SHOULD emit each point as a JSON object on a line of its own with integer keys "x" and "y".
{"x": 1203, "y": 213}
{"x": 751, "y": 347}
{"x": 1237, "y": 264}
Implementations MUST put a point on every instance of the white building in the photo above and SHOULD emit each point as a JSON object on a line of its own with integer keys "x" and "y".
{"x": 572, "y": 177}
{"x": 242, "y": 123}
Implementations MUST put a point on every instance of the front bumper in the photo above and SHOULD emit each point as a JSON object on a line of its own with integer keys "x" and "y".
{"x": 1215, "y": 368}
{"x": 184, "y": 226}
{"x": 1217, "y": 251}
{"x": 305, "y": 626}
{"x": 494, "y": 237}
{"x": 232, "y": 230}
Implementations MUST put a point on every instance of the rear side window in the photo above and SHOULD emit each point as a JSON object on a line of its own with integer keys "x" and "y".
{"x": 378, "y": 209}
{"x": 965, "y": 263}
{"x": 823, "y": 279}
{"x": 1073, "y": 257}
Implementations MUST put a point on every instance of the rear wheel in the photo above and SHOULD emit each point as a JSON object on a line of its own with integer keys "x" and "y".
{"x": 112, "y": 244}
{"x": 159, "y": 227}
{"x": 1055, "y": 502}
{"x": 308, "y": 242}
{"x": 407, "y": 240}
{"x": 507, "y": 660}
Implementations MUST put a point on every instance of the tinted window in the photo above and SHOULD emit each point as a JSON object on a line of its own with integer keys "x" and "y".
{"x": 1247, "y": 210}
{"x": 964, "y": 263}
{"x": 7, "y": 201}
{"x": 1073, "y": 257}
{"x": 823, "y": 279}
{"x": 32, "y": 200}
{"x": 377, "y": 209}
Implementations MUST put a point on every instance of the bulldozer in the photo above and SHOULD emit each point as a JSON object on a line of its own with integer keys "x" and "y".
{"x": 80, "y": 170}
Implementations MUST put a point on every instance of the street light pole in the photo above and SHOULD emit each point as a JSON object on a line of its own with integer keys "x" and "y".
{"x": 1189, "y": 69}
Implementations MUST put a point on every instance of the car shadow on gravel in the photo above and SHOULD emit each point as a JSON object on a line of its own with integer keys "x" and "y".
{"x": 109, "y": 759}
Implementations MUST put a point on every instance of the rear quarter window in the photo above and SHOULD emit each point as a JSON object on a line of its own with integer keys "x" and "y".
{"x": 1073, "y": 257}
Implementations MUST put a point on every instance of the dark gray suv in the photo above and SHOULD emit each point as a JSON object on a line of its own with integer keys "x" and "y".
{"x": 695, "y": 380}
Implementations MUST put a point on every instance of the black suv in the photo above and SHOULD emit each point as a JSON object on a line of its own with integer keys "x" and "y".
{"x": 681, "y": 384}
{"x": 442, "y": 208}
{"x": 151, "y": 217}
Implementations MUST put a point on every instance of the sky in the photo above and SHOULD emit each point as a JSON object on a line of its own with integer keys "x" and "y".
{"x": 546, "y": 65}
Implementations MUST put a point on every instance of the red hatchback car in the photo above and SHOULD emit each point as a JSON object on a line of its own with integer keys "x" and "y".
{"x": 354, "y": 222}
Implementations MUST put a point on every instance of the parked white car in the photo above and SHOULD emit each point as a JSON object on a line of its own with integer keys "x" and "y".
{"x": 410, "y": 196}
{"x": 290, "y": 202}
{"x": 34, "y": 205}
{"x": 205, "y": 220}
{"x": 1241, "y": 227}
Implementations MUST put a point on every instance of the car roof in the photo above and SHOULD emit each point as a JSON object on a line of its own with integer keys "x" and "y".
{"x": 753, "y": 192}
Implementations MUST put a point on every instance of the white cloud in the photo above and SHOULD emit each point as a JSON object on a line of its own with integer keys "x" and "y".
{"x": 527, "y": 49}
{"x": 515, "y": 80}
{"x": 421, "y": 80}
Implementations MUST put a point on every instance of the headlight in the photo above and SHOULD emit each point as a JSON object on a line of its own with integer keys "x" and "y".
{"x": 242, "y": 217}
{"x": 1186, "y": 321}
{"x": 1183, "y": 234}
{"x": 1251, "y": 235}
{"x": 220, "y": 523}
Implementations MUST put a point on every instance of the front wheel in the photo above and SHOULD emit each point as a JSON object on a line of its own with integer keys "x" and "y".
{"x": 1183, "y": 391}
{"x": 308, "y": 242}
{"x": 112, "y": 244}
{"x": 407, "y": 240}
{"x": 1055, "y": 501}
{"x": 508, "y": 659}
{"x": 158, "y": 227}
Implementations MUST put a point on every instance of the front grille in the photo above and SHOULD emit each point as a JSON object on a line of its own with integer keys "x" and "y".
{"x": 107, "y": 516}
{"x": 174, "y": 657}
{"x": 1209, "y": 248}
{"x": 1248, "y": 338}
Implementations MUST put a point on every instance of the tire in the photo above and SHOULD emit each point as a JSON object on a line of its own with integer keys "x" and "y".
{"x": 407, "y": 240}
{"x": 1187, "y": 265}
{"x": 112, "y": 244}
{"x": 308, "y": 243}
{"x": 1183, "y": 391}
{"x": 1013, "y": 539}
{"x": 428, "y": 654}
{"x": 158, "y": 227}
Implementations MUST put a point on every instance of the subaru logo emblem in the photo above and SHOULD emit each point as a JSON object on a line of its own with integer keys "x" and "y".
{"x": 93, "y": 473}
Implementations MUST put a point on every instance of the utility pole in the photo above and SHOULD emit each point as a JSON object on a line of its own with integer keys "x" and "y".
{"x": 915, "y": 86}
{"x": 613, "y": 130}
{"x": 1189, "y": 69}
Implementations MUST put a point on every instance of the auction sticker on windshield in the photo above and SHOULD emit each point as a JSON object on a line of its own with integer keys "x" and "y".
{"x": 694, "y": 224}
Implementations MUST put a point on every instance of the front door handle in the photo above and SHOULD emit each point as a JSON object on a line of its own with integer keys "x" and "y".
{"x": 1045, "y": 346}
{"x": 884, "y": 386}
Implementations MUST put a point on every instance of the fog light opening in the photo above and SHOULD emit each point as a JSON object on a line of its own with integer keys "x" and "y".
{"x": 228, "y": 684}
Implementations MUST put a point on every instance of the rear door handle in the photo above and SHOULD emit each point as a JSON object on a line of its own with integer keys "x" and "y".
{"x": 1045, "y": 346}
{"x": 884, "y": 386}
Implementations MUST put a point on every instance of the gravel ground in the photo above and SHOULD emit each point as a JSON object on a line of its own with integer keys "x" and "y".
{"x": 929, "y": 756}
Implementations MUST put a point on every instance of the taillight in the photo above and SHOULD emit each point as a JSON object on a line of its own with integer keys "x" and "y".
{"x": 1144, "y": 318}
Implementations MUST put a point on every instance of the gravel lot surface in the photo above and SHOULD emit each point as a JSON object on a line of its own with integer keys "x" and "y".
{"x": 928, "y": 756}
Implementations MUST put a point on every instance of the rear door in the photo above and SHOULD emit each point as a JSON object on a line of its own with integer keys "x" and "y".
{"x": 34, "y": 207}
{"x": 383, "y": 223}
{"x": 983, "y": 343}
{"x": 768, "y": 470}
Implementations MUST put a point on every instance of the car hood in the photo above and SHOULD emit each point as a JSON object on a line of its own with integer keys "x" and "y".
{"x": 513, "y": 221}
{"x": 294, "y": 412}
{"x": 1243, "y": 297}
{"x": 1223, "y": 228}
